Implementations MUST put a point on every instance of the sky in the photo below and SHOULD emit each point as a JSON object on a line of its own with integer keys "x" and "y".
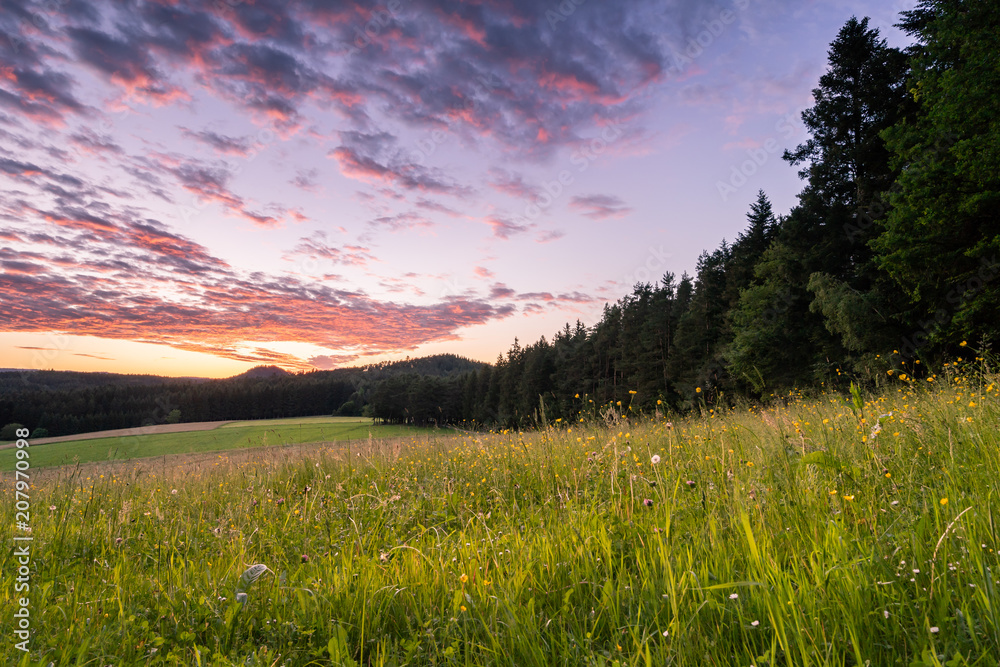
{"x": 194, "y": 188}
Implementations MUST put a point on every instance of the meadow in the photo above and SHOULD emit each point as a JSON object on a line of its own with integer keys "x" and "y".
{"x": 824, "y": 530}
{"x": 233, "y": 435}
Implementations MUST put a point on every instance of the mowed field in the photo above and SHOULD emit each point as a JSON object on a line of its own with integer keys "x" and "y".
{"x": 831, "y": 531}
{"x": 221, "y": 437}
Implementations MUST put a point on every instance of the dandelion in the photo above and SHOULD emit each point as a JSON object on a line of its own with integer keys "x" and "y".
{"x": 654, "y": 459}
{"x": 697, "y": 390}
{"x": 943, "y": 501}
{"x": 464, "y": 578}
{"x": 848, "y": 497}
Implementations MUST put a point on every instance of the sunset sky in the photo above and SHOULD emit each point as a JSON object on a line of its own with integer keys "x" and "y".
{"x": 199, "y": 187}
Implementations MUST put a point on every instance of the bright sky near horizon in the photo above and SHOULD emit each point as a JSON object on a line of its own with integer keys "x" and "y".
{"x": 194, "y": 188}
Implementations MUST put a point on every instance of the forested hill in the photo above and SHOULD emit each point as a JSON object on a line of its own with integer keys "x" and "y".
{"x": 66, "y": 402}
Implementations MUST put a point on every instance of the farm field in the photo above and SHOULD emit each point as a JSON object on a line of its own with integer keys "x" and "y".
{"x": 829, "y": 531}
{"x": 227, "y": 436}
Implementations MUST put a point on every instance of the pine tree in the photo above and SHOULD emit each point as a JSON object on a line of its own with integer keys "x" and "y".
{"x": 942, "y": 239}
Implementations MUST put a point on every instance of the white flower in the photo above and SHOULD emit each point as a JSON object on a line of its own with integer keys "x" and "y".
{"x": 654, "y": 459}
{"x": 733, "y": 596}
{"x": 666, "y": 633}
{"x": 755, "y": 623}
{"x": 886, "y": 613}
{"x": 173, "y": 492}
{"x": 935, "y": 629}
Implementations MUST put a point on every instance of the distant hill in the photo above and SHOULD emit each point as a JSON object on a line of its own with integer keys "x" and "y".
{"x": 258, "y": 372}
{"x": 18, "y": 380}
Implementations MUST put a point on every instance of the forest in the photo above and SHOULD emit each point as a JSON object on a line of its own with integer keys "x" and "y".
{"x": 54, "y": 403}
{"x": 888, "y": 263}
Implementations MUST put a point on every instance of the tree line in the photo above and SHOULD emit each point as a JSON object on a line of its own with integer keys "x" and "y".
{"x": 54, "y": 403}
{"x": 889, "y": 261}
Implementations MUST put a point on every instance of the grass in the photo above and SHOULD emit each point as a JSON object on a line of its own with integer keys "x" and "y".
{"x": 798, "y": 535}
{"x": 234, "y": 435}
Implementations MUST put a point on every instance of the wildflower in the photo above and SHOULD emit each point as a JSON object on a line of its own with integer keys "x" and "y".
{"x": 52, "y": 508}
{"x": 733, "y": 596}
{"x": 755, "y": 623}
{"x": 848, "y": 497}
{"x": 654, "y": 459}
{"x": 697, "y": 390}
{"x": 935, "y": 629}
{"x": 173, "y": 492}
{"x": 962, "y": 344}
{"x": 943, "y": 501}
{"x": 690, "y": 483}
{"x": 119, "y": 540}
{"x": 464, "y": 578}
{"x": 462, "y": 608}
{"x": 647, "y": 502}
{"x": 666, "y": 633}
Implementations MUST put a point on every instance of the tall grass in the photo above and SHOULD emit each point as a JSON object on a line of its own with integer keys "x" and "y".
{"x": 826, "y": 531}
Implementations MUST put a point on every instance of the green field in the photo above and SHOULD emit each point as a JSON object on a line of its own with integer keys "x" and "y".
{"x": 234, "y": 435}
{"x": 822, "y": 532}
